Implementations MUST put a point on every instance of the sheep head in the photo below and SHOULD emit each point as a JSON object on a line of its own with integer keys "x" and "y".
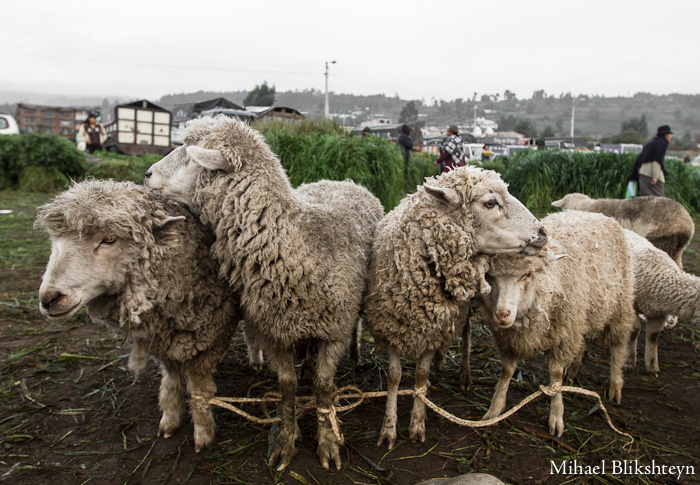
{"x": 102, "y": 236}
{"x": 518, "y": 283}
{"x": 573, "y": 201}
{"x": 212, "y": 145}
{"x": 479, "y": 201}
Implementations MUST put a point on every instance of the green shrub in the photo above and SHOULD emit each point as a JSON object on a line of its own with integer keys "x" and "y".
{"x": 120, "y": 170}
{"x": 39, "y": 150}
{"x": 370, "y": 161}
{"x": 420, "y": 167}
{"x": 304, "y": 127}
{"x": 42, "y": 179}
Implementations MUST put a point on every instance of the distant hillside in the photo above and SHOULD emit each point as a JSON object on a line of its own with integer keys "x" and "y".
{"x": 596, "y": 116}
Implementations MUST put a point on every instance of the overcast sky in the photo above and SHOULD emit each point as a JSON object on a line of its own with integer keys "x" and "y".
{"x": 418, "y": 50}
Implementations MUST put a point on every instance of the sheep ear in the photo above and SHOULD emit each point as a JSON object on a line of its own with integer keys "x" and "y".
{"x": 557, "y": 257}
{"x": 209, "y": 159}
{"x": 558, "y": 203}
{"x": 446, "y": 195}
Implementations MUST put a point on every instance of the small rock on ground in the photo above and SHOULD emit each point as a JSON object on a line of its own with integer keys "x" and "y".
{"x": 469, "y": 479}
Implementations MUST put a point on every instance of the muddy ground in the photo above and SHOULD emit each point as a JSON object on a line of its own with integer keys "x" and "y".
{"x": 71, "y": 413}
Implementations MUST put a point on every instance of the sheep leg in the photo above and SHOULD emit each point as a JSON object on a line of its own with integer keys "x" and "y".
{"x": 283, "y": 363}
{"x": 651, "y": 354}
{"x": 388, "y": 431}
{"x": 556, "y": 406}
{"x": 252, "y": 341}
{"x": 498, "y": 402}
{"x": 329, "y": 354}
{"x": 465, "y": 371}
{"x": 416, "y": 429}
{"x": 201, "y": 385}
{"x": 170, "y": 400}
{"x": 618, "y": 356}
{"x": 356, "y": 342}
{"x": 575, "y": 366}
{"x": 634, "y": 338}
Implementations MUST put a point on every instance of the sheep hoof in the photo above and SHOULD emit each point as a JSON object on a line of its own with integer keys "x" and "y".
{"x": 167, "y": 427}
{"x": 388, "y": 434}
{"x": 416, "y": 430}
{"x": 556, "y": 426}
{"x": 284, "y": 451}
{"x": 203, "y": 437}
{"x": 615, "y": 392}
{"x": 465, "y": 382}
{"x": 328, "y": 449}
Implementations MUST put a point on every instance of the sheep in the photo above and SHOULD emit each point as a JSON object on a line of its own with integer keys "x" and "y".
{"x": 140, "y": 263}
{"x": 298, "y": 258}
{"x": 547, "y": 303}
{"x": 661, "y": 290}
{"x": 663, "y": 221}
{"x": 428, "y": 259}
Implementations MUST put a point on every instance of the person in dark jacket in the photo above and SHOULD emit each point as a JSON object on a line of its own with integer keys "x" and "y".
{"x": 452, "y": 155}
{"x": 648, "y": 169}
{"x": 405, "y": 145}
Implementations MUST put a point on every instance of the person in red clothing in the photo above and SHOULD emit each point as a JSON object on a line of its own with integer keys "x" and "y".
{"x": 452, "y": 155}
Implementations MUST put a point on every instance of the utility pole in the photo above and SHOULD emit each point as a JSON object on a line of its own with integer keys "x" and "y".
{"x": 573, "y": 119}
{"x": 326, "y": 113}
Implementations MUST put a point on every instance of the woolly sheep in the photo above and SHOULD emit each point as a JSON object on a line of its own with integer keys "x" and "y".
{"x": 298, "y": 259}
{"x": 662, "y": 289}
{"x": 428, "y": 260}
{"x": 140, "y": 263}
{"x": 662, "y": 221}
{"x": 549, "y": 304}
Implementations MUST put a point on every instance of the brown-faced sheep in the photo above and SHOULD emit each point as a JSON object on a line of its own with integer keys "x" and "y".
{"x": 664, "y": 222}
{"x": 140, "y": 263}
{"x": 298, "y": 259}
{"x": 661, "y": 289}
{"x": 428, "y": 260}
{"x": 550, "y": 304}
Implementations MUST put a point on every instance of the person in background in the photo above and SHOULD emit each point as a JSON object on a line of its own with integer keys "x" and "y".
{"x": 486, "y": 154}
{"x": 92, "y": 134}
{"x": 452, "y": 155}
{"x": 648, "y": 169}
{"x": 366, "y": 131}
{"x": 405, "y": 145}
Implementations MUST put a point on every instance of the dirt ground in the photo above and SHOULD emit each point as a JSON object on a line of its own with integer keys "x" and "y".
{"x": 70, "y": 412}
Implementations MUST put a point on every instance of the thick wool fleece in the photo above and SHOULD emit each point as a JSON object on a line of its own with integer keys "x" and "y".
{"x": 588, "y": 292}
{"x": 663, "y": 221}
{"x": 173, "y": 306}
{"x": 661, "y": 288}
{"x": 424, "y": 271}
{"x": 299, "y": 257}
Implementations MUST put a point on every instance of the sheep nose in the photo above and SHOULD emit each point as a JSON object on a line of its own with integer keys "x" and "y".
{"x": 502, "y": 315}
{"x": 148, "y": 174}
{"x": 48, "y": 302}
{"x": 541, "y": 239}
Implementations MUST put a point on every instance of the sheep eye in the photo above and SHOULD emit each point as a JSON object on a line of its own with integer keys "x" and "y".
{"x": 490, "y": 204}
{"x": 109, "y": 240}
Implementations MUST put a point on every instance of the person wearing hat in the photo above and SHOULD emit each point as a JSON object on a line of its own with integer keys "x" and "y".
{"x": 648, "y": 169}
{"x": 92, "y": 133}
{"x": 452, "y": 155}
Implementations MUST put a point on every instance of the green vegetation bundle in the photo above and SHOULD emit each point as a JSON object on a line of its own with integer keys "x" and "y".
{"x": 51, "y": 152}
{"x": 42, "y": 179}
{"x": 122, "y": 167}
{"x": 537, "y": 177}
{"x": 420, "y": 167}
{"x": 369, "y": 161}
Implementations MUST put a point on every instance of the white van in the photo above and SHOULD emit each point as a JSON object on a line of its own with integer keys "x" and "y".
{"x": 8, "y": 125}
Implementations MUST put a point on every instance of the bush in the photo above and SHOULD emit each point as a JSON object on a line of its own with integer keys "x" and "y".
{"x": 120, "y": 170}
{"x": 371, "y": 162}
{"x": 39, "y": 150}
{"x": 42, "y": 179}
{"x": 420, "y": 167}
{"x": 538, "y": 177}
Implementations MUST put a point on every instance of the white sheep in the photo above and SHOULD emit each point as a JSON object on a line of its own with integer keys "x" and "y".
{"x": 140, "y": 263}
{"x": 661, "y": 290}
{"x": 428, "y": 260}
{"x": 663, "y": 221}
{"x": 298, "y": 258}
{"x": 547, "y": 303}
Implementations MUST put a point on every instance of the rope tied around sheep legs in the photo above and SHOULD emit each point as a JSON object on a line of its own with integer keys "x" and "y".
{"x": 350, "y": 392}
